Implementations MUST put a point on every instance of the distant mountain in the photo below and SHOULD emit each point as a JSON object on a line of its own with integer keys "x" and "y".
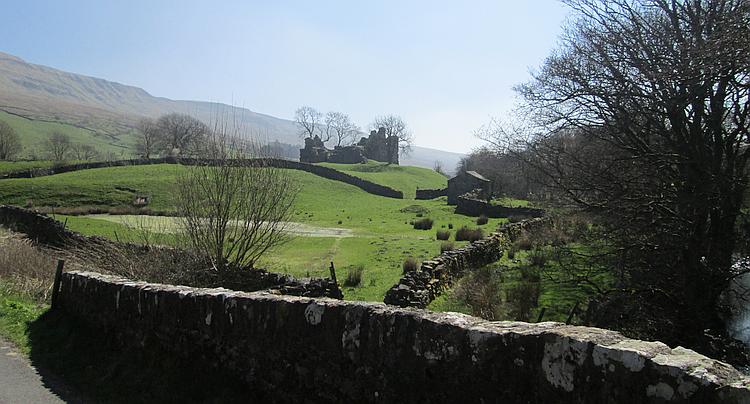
{"x": 43, "y": 93}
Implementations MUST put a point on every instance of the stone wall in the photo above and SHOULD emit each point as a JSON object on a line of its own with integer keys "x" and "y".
{"x": 431, "y": 193}
{"x": 320, "y": 350}
{"x": 419, "y": 288}
{"x": 321, "y": 171}
{"x": 469, "y": 204}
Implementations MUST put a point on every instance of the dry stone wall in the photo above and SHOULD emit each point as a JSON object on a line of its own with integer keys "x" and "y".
{"x": 320, "y": 350}
{"x": 419, "y": 288}
{"x": 431, "y": 193}
{"x": 321, "y": 171}
{"x": 470, "y": 205}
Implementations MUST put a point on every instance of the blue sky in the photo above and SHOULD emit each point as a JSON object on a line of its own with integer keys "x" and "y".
{"x": 445, "y": 66}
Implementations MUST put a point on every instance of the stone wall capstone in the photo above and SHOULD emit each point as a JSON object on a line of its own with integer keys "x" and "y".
{"x": 321, "y": 350}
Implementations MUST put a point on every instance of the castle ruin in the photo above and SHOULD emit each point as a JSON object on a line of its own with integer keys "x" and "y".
{"x": 377, "y": 147}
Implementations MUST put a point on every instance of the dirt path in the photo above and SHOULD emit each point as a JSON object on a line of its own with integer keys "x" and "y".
{"x": 167, "y": 224}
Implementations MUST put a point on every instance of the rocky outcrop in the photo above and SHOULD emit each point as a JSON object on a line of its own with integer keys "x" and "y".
{"x": 321, "y": 350}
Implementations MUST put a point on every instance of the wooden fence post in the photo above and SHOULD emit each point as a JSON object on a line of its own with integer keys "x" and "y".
{"x": 572, "y": 313}
{"x": 333, "y": 274}
{"x": 56, "y": 284}
{"x": 541, "y": 315}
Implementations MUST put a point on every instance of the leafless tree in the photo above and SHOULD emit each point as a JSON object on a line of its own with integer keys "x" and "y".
{"x": 395, "y": 126}
{"x": 180, "y": 133}
{"x": 642, "y": 119}
{"x": 148, "y": 137}
{"x": 309, "y": 120}
{"x": 57, "y": 146}
{"x": 10, "y": 143}
{"x": 438, "y": 167}
{"x": 340, "y": 128}
{"x": 234, "y": 209}
{"x": 84, "y": 152}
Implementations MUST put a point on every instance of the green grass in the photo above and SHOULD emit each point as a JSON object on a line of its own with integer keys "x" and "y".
{"x": 403, "y": 178}
{"x": 383, "y": 236}
{"x": 16, "y": 313}
{"x": 33, "y": 133}
{"x": 11, "y": 166}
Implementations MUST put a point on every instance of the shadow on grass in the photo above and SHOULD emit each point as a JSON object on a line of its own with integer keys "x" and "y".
{"x": 81, "y": 364}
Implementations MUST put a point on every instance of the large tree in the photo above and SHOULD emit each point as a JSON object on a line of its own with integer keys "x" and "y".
{"x": 643, "y": 115}
{"x": 340, "y": 128}
{"x": 180, "y": 133}
{"x": 309, "y": 121}
{"x": 57, "y": 146}
{"x": 395, "y": 126}
{"x": 148, "y": 137}
{"x": 10, "y": 143}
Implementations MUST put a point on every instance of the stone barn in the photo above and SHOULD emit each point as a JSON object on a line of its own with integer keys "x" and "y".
{"x": 465, "y": 182}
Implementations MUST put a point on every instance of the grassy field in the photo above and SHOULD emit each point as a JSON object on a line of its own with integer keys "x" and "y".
{"x": 33, "y": 134}
{"x": 403, "y": 178}
{"x": 383, "y": 235}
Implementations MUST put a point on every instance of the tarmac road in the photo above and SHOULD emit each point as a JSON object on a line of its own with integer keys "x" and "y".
{"x": 19, "y": 381}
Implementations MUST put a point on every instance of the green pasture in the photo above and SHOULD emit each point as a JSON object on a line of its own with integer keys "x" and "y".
{"x": 403, "y": 178}
{"x": 383, "y": 235}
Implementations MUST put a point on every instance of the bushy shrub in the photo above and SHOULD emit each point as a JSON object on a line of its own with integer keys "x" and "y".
{"x": 482, "y": 220}
{"x": 512, "y": 253}
{"x": 410, "y": 265}
{"x": 467, "y": 234}
{"x": 524, "y": 243}
{"x": 354, "y": 275}
{"x": 423, "y": 224}
{"x": 443, "y": 234}
{"x": 447, "y": 246}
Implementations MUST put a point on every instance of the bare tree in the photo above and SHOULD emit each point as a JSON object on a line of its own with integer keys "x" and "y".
{"x": 57, "y": 146}
{"x": 148, "y": 137}
{"x": 180, "y": 133}
{"x": 438, "y": 168}
{"x": 340, "y": 128}
{"x": 309, "y": 120}
{"x": 10, "y": 143}
{"x": 643, "y": 120}
{"x": 395, "y": 126}
{"x": 84, "y": 152}
{"x": 234, "y": 209}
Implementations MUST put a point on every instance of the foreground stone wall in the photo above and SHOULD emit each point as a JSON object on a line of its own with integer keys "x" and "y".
{"x": 321, "y": 171}
{"x": 419, "y": 288}
{"x": 301, "y": 350}
{"x": 470, "y": 205}
{"x": 431, "y": 193}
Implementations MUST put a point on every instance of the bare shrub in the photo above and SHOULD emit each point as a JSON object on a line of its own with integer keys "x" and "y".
{"x": 410, "y": 265}
{"x": 467, "y": 234}
{"x": 480, "y": 291}
{"x": 234, "y": 209}
{"x": 443, "y": 234}
{"x": 524, "y": 242}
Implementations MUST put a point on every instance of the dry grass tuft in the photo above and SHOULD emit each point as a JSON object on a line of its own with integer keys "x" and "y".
{"x": 25, "y": 268}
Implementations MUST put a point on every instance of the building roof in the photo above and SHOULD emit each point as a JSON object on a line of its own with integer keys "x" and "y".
{"x": 474, "y": 174}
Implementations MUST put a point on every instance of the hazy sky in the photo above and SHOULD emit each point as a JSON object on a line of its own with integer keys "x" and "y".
{"x": 445, "y": 66}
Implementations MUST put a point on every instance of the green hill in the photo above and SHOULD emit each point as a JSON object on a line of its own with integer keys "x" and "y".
{"x": 34, "y": 133}
{"x": 403, "y": 178}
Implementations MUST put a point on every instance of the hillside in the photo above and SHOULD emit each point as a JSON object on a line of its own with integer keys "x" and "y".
{"x": 105, "y": 111}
